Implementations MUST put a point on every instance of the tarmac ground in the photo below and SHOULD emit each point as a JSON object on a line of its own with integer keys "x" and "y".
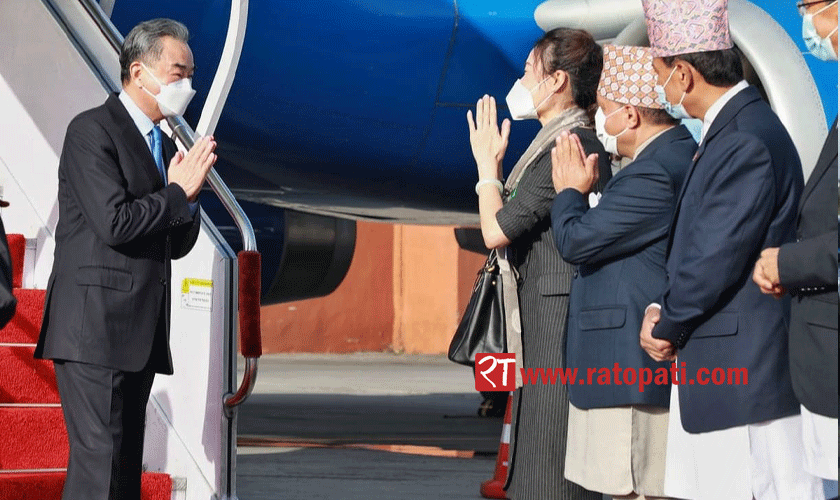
{"x": 363, "y": 426}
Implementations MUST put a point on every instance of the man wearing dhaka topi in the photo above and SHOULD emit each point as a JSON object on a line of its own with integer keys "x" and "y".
{"x": 741, "y": 192}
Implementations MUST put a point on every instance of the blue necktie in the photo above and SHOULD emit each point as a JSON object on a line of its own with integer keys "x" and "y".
{"x": 157, "y": 152}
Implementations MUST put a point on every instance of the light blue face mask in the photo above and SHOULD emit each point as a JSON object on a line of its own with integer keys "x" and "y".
{"x": 694, "y": 126}
{"x": 675, "y": 110}
{"x": 820, "y": 47}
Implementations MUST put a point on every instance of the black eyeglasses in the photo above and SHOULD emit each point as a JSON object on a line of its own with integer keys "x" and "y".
{"x": 803, "y": 6}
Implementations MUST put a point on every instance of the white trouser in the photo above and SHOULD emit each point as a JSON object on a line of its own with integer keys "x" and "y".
{"x": 764, "y": 461}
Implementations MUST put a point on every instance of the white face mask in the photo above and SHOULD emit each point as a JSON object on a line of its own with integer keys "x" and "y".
{"x": 610, "y": 142}
{"x": 521, "y": 103}
{"x": 173, "y": 98}
{"x": 677, "y": 111}
{"x": 820, "y": 47}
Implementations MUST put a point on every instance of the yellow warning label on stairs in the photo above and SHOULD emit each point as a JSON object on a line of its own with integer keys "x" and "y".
{"x": 197, "y": 293}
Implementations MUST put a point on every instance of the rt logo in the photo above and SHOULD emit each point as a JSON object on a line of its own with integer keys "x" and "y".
{"x": 495, "y": 372}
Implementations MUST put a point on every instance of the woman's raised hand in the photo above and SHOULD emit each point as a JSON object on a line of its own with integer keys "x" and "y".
{"x": 487, "y": 141}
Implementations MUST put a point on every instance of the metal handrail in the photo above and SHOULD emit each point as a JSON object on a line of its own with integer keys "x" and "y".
{"x": 186, "y": 135}
{"x": 102, "y": 20}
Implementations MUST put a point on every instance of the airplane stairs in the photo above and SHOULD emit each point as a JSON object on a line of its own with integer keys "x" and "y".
{"x": 33, "y": 439}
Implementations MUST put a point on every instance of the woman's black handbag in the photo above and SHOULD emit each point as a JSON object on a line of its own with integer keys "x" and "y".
{"x": 482, "y": 328}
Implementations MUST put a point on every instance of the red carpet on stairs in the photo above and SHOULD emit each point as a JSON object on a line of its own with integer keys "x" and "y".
{"x": 48, "y": 485}
{"x": 32, "y": 432}
{"x": 32, "y": 438}
{"x": 24, "y": 326}
{"x": 24, "y": 379}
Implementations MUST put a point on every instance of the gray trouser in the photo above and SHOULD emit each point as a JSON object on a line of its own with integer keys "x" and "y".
{"x": 105, "y": 414}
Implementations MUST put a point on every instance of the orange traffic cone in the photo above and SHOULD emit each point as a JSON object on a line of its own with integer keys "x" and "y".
{"x": 495, "y": 488}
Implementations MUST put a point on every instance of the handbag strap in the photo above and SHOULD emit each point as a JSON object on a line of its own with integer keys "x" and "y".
{"x": 510, "y": 301}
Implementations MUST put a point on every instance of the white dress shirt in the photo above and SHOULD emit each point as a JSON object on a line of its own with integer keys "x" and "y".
{"x": 144, "y": 123}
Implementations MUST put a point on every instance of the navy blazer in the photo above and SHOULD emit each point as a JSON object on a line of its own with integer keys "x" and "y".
{"x": 619, "y": 248}
{"x": 808, "y": 269}
{"x": 740, "y": 196}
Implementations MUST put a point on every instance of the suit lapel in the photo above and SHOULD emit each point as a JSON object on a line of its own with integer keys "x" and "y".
{"x": 136, "y": 142}
{"x": 688, "y": 174}
{"x": 828, "y": 154}
{"x": 726, "y": 115}
{"x": 169, "y": 149}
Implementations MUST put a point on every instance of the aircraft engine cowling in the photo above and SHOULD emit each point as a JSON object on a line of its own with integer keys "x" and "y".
{"x": 303, "y": 255}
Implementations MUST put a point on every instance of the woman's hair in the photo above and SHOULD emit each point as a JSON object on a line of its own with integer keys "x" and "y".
{"x": 575, "y": 52}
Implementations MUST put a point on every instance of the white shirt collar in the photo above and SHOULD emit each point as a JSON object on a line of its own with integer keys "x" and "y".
{"x": 143, "y": 122}
{"x": 715, "y": 108}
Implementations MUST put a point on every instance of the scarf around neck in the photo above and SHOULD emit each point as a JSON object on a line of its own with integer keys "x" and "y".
{"x": 567, "y": 120}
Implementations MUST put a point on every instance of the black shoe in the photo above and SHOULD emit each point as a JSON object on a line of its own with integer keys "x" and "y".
{"x": 493, "y": 405}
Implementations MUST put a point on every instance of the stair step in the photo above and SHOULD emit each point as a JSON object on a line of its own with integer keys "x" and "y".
{"x": 32, "y": 438}
{"x": 24, "y": 379}
{"x": 26, "y": 324}
{"x": 48, "y": 486}
{"x": 17, "y": 248}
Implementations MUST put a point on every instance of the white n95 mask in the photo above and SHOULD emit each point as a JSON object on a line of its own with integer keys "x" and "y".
{"x": 173, "y": 98}
{"x": 520, "y": 102}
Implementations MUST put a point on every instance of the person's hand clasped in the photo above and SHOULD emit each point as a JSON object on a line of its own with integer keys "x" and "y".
{"x": 571, "y": 168}
{"x": 658, "y": 349}
{"x": 766, "y": 273}
{"x": 190, "y": 170}
{"x": 487, "y": 141}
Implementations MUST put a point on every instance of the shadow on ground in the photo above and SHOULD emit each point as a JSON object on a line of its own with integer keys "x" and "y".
{"x": 332, "y": 447}
{"x": 447, "y": 421}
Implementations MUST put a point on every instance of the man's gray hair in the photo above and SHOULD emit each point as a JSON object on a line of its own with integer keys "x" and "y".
{"x": 143, "y": 42}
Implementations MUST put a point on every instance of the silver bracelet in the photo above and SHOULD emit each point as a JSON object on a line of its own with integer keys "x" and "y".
{"x": 495, "y": 182}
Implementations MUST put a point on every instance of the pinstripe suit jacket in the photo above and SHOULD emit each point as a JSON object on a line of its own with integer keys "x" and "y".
{"x": 537, "y": 455}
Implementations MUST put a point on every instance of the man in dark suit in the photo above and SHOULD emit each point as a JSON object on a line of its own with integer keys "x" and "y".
{"x": 122, "y": 217}
{"x": 616, "y": 432}
{"x": 738, "y": 439}
{"x": 807, "y": 269}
